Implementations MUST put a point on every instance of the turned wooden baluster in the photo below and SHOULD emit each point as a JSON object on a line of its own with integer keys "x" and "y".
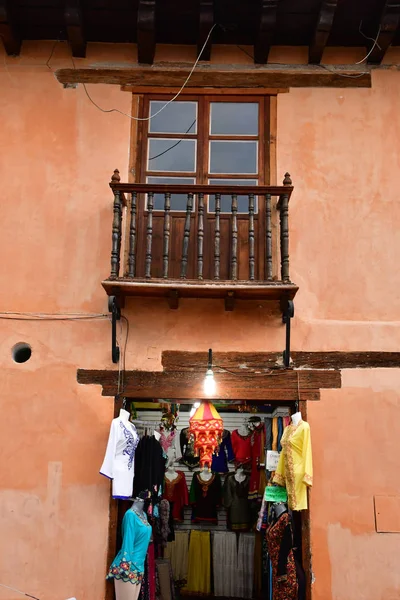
{"x": 251, "y": 237}
{"x": 234, "y": 263}
{"x": 217, "y": 235}
{"x": 149, "y": 235}
{"x": 268, "y": 241}
{"x": 116, "y": 228}
{"x": 167, "y": 230}
{"x": 283, "y": 206}
{"x": 132, "y": 238}
{"x": 186, "y": 235}
{"x": 200, "y": 236}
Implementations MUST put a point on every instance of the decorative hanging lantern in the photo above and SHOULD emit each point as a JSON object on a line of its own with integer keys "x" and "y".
{"x": 206, "y": 427}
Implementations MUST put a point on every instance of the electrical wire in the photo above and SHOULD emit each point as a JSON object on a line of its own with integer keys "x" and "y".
{"x": 110, "y": 110}
{"x": 245, "y": 52}
{"x": 8, "y": 587}
{"x": 52, "y": 51}
{"x": 333, "y": 70}
{"x": 372, "y": 47}
{"x": 367, "y": 37}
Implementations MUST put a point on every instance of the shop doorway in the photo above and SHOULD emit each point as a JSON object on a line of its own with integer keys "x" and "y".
{"x": 252, "y": 578}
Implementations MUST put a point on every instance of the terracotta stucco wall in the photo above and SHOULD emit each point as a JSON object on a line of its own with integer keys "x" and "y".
{"x": 57, "y": 153}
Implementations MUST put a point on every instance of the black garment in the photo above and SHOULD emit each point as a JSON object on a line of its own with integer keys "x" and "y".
{"x": 205, "y": 497}
{"x": 187, "y": 450}
{"x": 149, "y": 466}
{"x": 236, "y": 501}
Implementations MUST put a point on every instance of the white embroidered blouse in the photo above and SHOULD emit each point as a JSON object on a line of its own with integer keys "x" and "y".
{"x": 119, "y": 460}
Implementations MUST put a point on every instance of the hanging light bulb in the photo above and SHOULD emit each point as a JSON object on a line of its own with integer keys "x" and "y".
{"x": 209, "y": 381}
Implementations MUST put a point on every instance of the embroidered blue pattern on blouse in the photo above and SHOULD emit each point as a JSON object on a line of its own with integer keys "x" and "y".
{"x": 131, "y": 444}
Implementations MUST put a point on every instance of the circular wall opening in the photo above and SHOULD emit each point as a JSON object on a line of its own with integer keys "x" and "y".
{"x": 21, "y": 352}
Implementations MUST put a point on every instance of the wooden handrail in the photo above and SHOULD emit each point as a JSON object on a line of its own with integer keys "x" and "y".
{"x": 260, "y": 251}
{"x": 242, "y": 190}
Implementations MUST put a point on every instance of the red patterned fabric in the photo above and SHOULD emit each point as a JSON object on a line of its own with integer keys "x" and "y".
{"x": 280, "y": 547}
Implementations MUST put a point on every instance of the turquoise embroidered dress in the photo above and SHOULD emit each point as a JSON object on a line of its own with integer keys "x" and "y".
{"x": 128, "y": 565}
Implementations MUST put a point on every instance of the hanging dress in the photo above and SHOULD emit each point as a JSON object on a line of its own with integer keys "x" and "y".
{"x": 149, "y": 466}
{"x": 187, "y": 449}
{"x": 128, "y": 565}
{"x": 224, "y": 454}
{"x": 176, "y": 492}
{"x": 169, "y": 441}
{"x": 280, "y": 547}
{"x": 119, "y": 459}
{"x": 295, "y": 470}
{"x": 235, "y": 498}
{"x": 205, "y": 498}
{"x": 258, "y": 478}
{"x": 241, "y": 448}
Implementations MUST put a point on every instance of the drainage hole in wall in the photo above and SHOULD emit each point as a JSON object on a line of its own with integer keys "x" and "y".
{"x": 21, "y": 352}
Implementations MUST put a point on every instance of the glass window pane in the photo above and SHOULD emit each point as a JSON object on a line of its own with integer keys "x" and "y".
{"x": 172, "y": 155}
{"x": 177, "y": 117}
{"x": 234, "y": 118}
{"x": 178, "y": 201}
{"x": 233, "y": 157}
{"x": 226, "y": 201}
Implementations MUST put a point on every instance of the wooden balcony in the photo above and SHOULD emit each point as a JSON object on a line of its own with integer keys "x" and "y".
{"x": 229, "y": 242}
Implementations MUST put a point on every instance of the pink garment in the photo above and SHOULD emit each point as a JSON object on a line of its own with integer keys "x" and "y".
{"x": 152, "y": 572}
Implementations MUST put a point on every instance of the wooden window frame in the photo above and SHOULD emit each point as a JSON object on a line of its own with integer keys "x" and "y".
{"x": 204, "y": 137}
{"x": 267, "y": 174}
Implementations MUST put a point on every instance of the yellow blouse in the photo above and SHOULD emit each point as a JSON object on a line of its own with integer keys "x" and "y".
{"x": 294, "y": 470}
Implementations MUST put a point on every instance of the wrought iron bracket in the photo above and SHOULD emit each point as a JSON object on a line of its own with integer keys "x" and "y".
{"x": 115, "y": 310}
{"x": 287, "y": 314}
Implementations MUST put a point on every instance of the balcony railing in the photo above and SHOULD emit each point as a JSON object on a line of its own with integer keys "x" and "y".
{"x": 198, "y": 252}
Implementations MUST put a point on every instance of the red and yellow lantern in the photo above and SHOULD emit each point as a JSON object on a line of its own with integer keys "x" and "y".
{"x": 206, "y": 427}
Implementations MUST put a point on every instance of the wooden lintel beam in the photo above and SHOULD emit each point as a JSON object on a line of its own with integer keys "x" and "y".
{"x": 235, "y": 76}
{"x": 281, "y": 384}
{"x": 206, "y": 21}
{"x": 74, "y": 24}
{"x": 388, "y": 26}
{"x": 247, "y": 362}
{"x": 266, "y": 32}
{"x": 8, "y": 30}
{"x": 146, "y": 31}
{"x": 322, "y": 30}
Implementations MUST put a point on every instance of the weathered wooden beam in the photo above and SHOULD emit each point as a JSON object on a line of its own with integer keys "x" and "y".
{"x": 388, "y": 26}
{"x": 322, "y": 30}
{"x": 246, "y": 362}
{"x": 75, "y": 30}
{"x": 8, "y": 30}
{"x": 206, "y": 21}
{"x": 266, "y": 32}
{"x": 278, "y": 384}
{"x": 226, "y": 76}
{"x": 146, "y": 31}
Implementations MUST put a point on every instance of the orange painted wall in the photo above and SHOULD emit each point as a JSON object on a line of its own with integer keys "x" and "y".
{"x": 57, "y": 154}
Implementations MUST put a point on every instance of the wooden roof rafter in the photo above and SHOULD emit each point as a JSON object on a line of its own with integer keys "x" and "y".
{"x": 388, "y": 26}
{"x": 266, "y": 32}
{"x": 146, "y": 31}
{"x": 322, "y": 30}
{"x": 206, "y": 22}
{"x": 8, "y": 30}
{"x": 75, "y": 30}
